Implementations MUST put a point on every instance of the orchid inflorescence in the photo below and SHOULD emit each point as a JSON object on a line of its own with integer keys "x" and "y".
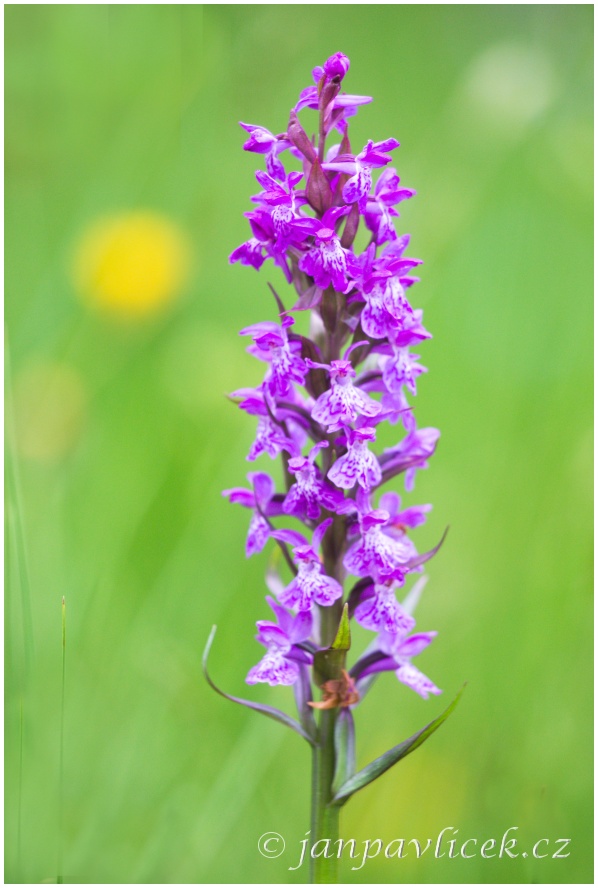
{"x": 319, "y": 407}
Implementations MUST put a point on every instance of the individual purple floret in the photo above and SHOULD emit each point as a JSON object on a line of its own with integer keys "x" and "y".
{"x": 281, "y": 662}
{"x": 343, "y": 402}
{"x": 336, "y": 66}
{"x": 380, "y": 610}
{"x": 377, "y": 554}
{"x": 270, "y": 437}
{"x": 401, "y": 369}
{"x": 401, "y": 519}
{"x": 399, "y": 649}
{"x": 271, "y": 344}
{"x": 359, "y": 465}
{"x": 379, "y": 210}
{"x": 359, "y": 168}
{"x": 326, "y": 261}
{"x": 262, "y": 141}
{"x": 252, "y": 252}
{"x": 311, "y": 585}
{"x": 260, "y": 499}
{"x": 310, "y": 493}
{"x": 410, "y": 454}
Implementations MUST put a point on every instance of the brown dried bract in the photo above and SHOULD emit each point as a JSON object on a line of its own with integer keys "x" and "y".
{"x": 338, "y": 692}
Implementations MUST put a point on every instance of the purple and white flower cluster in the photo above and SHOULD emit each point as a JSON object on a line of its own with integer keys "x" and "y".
{"x": 324, "y": 395}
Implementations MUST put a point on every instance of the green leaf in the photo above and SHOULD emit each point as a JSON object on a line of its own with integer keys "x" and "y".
{"x": 391, "y": 757}
{"x": 344, "y": 748}
{"x": 342, "y": 642}
{"x": 270, "y": 711}
{"x": 330, "y": 662}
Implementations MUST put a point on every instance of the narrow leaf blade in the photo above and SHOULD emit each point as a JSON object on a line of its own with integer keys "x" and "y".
{"x": 270, "y": 711}
{"x": 344, "y": 748}
{"x": 421, "y": 559}
{"x": 391, "y": 757}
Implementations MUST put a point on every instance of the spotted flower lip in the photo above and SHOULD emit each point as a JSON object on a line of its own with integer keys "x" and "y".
{"x": 326, "y": 260}
{"x": 343, "y": 402}
{"x": 359, "y": 465}
{"x": 310, "y": 493}
{"x": 377, "y": 554}
{"x": 380, "y": 610}
{"x": 310, "y": 585}
{"x": 280, "y": 664}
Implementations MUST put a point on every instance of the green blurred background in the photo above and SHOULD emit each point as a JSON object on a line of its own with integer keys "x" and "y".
{"x": 120, "y": 438}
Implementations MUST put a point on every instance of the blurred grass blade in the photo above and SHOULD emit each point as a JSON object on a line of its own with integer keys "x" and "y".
{"x": 18, "y": 568}
{"x": 18, "y": 589}
{"x": 59, "y": 878}
{"x": 270, "y": 711}
{"x": 391, "y": 757}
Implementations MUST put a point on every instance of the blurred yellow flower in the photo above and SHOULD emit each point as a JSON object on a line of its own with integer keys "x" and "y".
{"x": 131, "y": 265}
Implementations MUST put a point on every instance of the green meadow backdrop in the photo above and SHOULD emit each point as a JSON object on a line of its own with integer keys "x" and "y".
{"x": 125, "y": 189}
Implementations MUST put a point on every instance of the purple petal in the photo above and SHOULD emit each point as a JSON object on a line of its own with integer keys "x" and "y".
{"x": 293, "y": 537}
{"x": 263, "y": 486}
{"x": 320, "y": 531}
{"x": 409, "y": 675}
{"x": 415, "y": 644}
{"x": 240, "y": 495}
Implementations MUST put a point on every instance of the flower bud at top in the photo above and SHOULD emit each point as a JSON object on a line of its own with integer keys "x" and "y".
{"x": 337, "y": 65}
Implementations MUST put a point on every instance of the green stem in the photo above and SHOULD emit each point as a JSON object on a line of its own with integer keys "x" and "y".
{"x": 324, "y": 819}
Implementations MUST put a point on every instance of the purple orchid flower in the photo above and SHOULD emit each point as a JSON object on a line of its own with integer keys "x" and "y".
{"x": 411, "y": 333}
{"x": 379, "y": 210}
{"x": 283, "y": 658}
{"x": 410, "y": 454}
{"x": 379, "y": 609}
{"x": 326, "y": 393}
{"x": 282, "y": 202}
{"x": 401, "y": 369}
{"x": 343, "y": 402}
{"x": 376, "y": 553}
{"x": 358, "y": 465}
{"x": 381, "y": 284}
{"x": 310, "y": 493}
{"x": 359, "y": 167}
{"x": 251, "y": 252}
{"x": 271, "y": 344}
{"x": 401, "y": 519}
{"x": 336, "y": 66}
{"x": 326, "y": 96}
{"x": 326, "y": 261}
{"x": 262, "y": 141}
{"x": 399, "y": 650}
{"x": 395, "y": 408}
{"x": 310, "y": 586}
{"x": 261, "y": 499}
{"x": 270, "y": 437}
